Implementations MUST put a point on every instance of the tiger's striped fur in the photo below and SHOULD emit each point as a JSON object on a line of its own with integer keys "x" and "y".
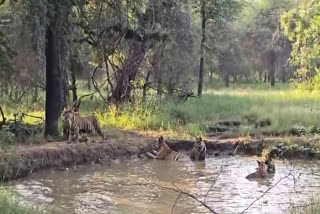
{"x": 271, "y": 168}
{"x": 165, "y": 152}
{"x": 77, "y": 123}
{"x": 198, "y": 152}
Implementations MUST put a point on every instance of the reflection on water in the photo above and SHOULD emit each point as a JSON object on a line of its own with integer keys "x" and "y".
{"x": 126, "y": 187}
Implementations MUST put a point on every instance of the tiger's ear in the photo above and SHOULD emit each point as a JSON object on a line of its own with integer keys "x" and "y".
{"x": 259, "y": 162}
{"x": 160, "y": 139}
{"x": 197, "y": 139}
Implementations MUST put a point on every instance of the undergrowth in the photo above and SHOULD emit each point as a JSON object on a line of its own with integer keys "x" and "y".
{"x": 284, "y": 107}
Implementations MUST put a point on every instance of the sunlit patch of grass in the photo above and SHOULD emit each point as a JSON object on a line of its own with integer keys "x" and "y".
{"x": 284, "y": 106}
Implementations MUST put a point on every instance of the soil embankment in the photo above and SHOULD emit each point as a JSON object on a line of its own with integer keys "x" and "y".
{"x": 20, "y": 161}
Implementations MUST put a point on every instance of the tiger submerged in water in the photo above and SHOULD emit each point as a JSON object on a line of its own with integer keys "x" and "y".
{"x": 271, "y": 168}
{"x": 261, "y": 171}
{"x": 199, "y": 150}
{"x": 166, "y": 153}
{"x": 77, "y": 123}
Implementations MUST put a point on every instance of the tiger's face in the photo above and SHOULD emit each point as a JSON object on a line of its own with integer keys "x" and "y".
{"x": 262, "y": 167}
{"x": 66, "y": 113}
{"x": 200, "y": 145}
{"x": 160, "y": 141}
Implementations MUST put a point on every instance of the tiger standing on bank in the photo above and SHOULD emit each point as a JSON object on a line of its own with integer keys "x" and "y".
{"x": 77, "y": 123}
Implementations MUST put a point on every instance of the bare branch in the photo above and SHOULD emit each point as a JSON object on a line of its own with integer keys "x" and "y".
{"x": 265, "y": 192}
{"x": 178, "y": 190}
{"x": 213, "y": 183}
{"x": 28, "y": 115}
{"x": 174, "y": 205}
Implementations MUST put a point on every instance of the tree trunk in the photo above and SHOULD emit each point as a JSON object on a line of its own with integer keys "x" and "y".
{"x": 272, "y": 75}
{"x": 265, "y": 76}
{"x": 145, "y": 86}
{"x": 273, "y": 65}
{"x": 89, "y": 83}
{"x": 128, "y": 72}
{"x": 35, "y": 95}
{"x": 226, "y": 80}
{"x": 203, "y": 39}
{"x": 73, "y": 81}
{"x": 211, "y": 77}
{"x": 56, "y": 75}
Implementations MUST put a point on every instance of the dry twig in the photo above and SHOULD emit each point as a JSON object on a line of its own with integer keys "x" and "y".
{"x": 265, "y": 192}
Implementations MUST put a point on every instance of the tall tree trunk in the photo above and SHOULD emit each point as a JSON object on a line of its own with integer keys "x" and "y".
{"x": 89, "y": 83}
{"x": 128, "y": 72}
{"x": 272, "y": 75}
{"x": 158, "y": 69}
{"x": 35, "y": 95}
{"x": 273, "y": 64}
{"x": 145, "y": 86}
{"x": 227, "y": 80}
{"x": 73, "y": 81}
{"x": 211, "y": 77}
{"x": 203, "y": 39}
{"x": 56, "y": 75}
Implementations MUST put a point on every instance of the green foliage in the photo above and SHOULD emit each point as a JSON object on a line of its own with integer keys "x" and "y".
{"x": 7, "y": 137}
{"x": 302, "y": 27}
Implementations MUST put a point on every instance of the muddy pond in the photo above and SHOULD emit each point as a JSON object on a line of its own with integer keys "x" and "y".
{"x": 126, "y": 187}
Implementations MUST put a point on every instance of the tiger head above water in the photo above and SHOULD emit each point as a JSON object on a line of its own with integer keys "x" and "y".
{"x": 199, "y": 150}
{"x": 270, "y": 164}
{"x": 261, "y": 171}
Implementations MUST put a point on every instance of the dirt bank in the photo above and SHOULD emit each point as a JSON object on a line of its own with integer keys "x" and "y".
{"x": 20, "y": 161}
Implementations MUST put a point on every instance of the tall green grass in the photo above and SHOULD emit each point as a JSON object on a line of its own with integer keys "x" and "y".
{"x": 284, "y": 106}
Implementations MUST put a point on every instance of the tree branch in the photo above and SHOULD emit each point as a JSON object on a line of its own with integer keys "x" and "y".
{"x": 265, "y": 192}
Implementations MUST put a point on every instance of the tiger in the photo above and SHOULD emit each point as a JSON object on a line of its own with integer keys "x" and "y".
{"x": 165, "y": 152}
{"x": 77, "y": 123}
{"x": 261, "y": 171}
{"x": 271, "y": 168}
{"x": 198, "y": 152}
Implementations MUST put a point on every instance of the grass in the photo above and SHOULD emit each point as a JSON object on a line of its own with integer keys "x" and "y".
{"x": 9, "y": 206}
{"x": 284, "y": 106}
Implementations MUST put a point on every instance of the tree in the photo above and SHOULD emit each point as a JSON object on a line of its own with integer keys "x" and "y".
{"x": 302, "y": 27}
{"x": 53, "y": 17}
{"x": 212, "y": 11}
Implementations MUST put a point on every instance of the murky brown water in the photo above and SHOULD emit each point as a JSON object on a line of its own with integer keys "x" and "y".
{"x": 122, "y": 187}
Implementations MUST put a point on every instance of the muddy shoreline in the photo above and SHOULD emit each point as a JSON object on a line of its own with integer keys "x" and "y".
{"x": 21, "y": 161}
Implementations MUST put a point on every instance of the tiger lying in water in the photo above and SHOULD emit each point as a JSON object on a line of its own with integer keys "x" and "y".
{"x": 166, "y": 153}
{"x": 77, "y": 123}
